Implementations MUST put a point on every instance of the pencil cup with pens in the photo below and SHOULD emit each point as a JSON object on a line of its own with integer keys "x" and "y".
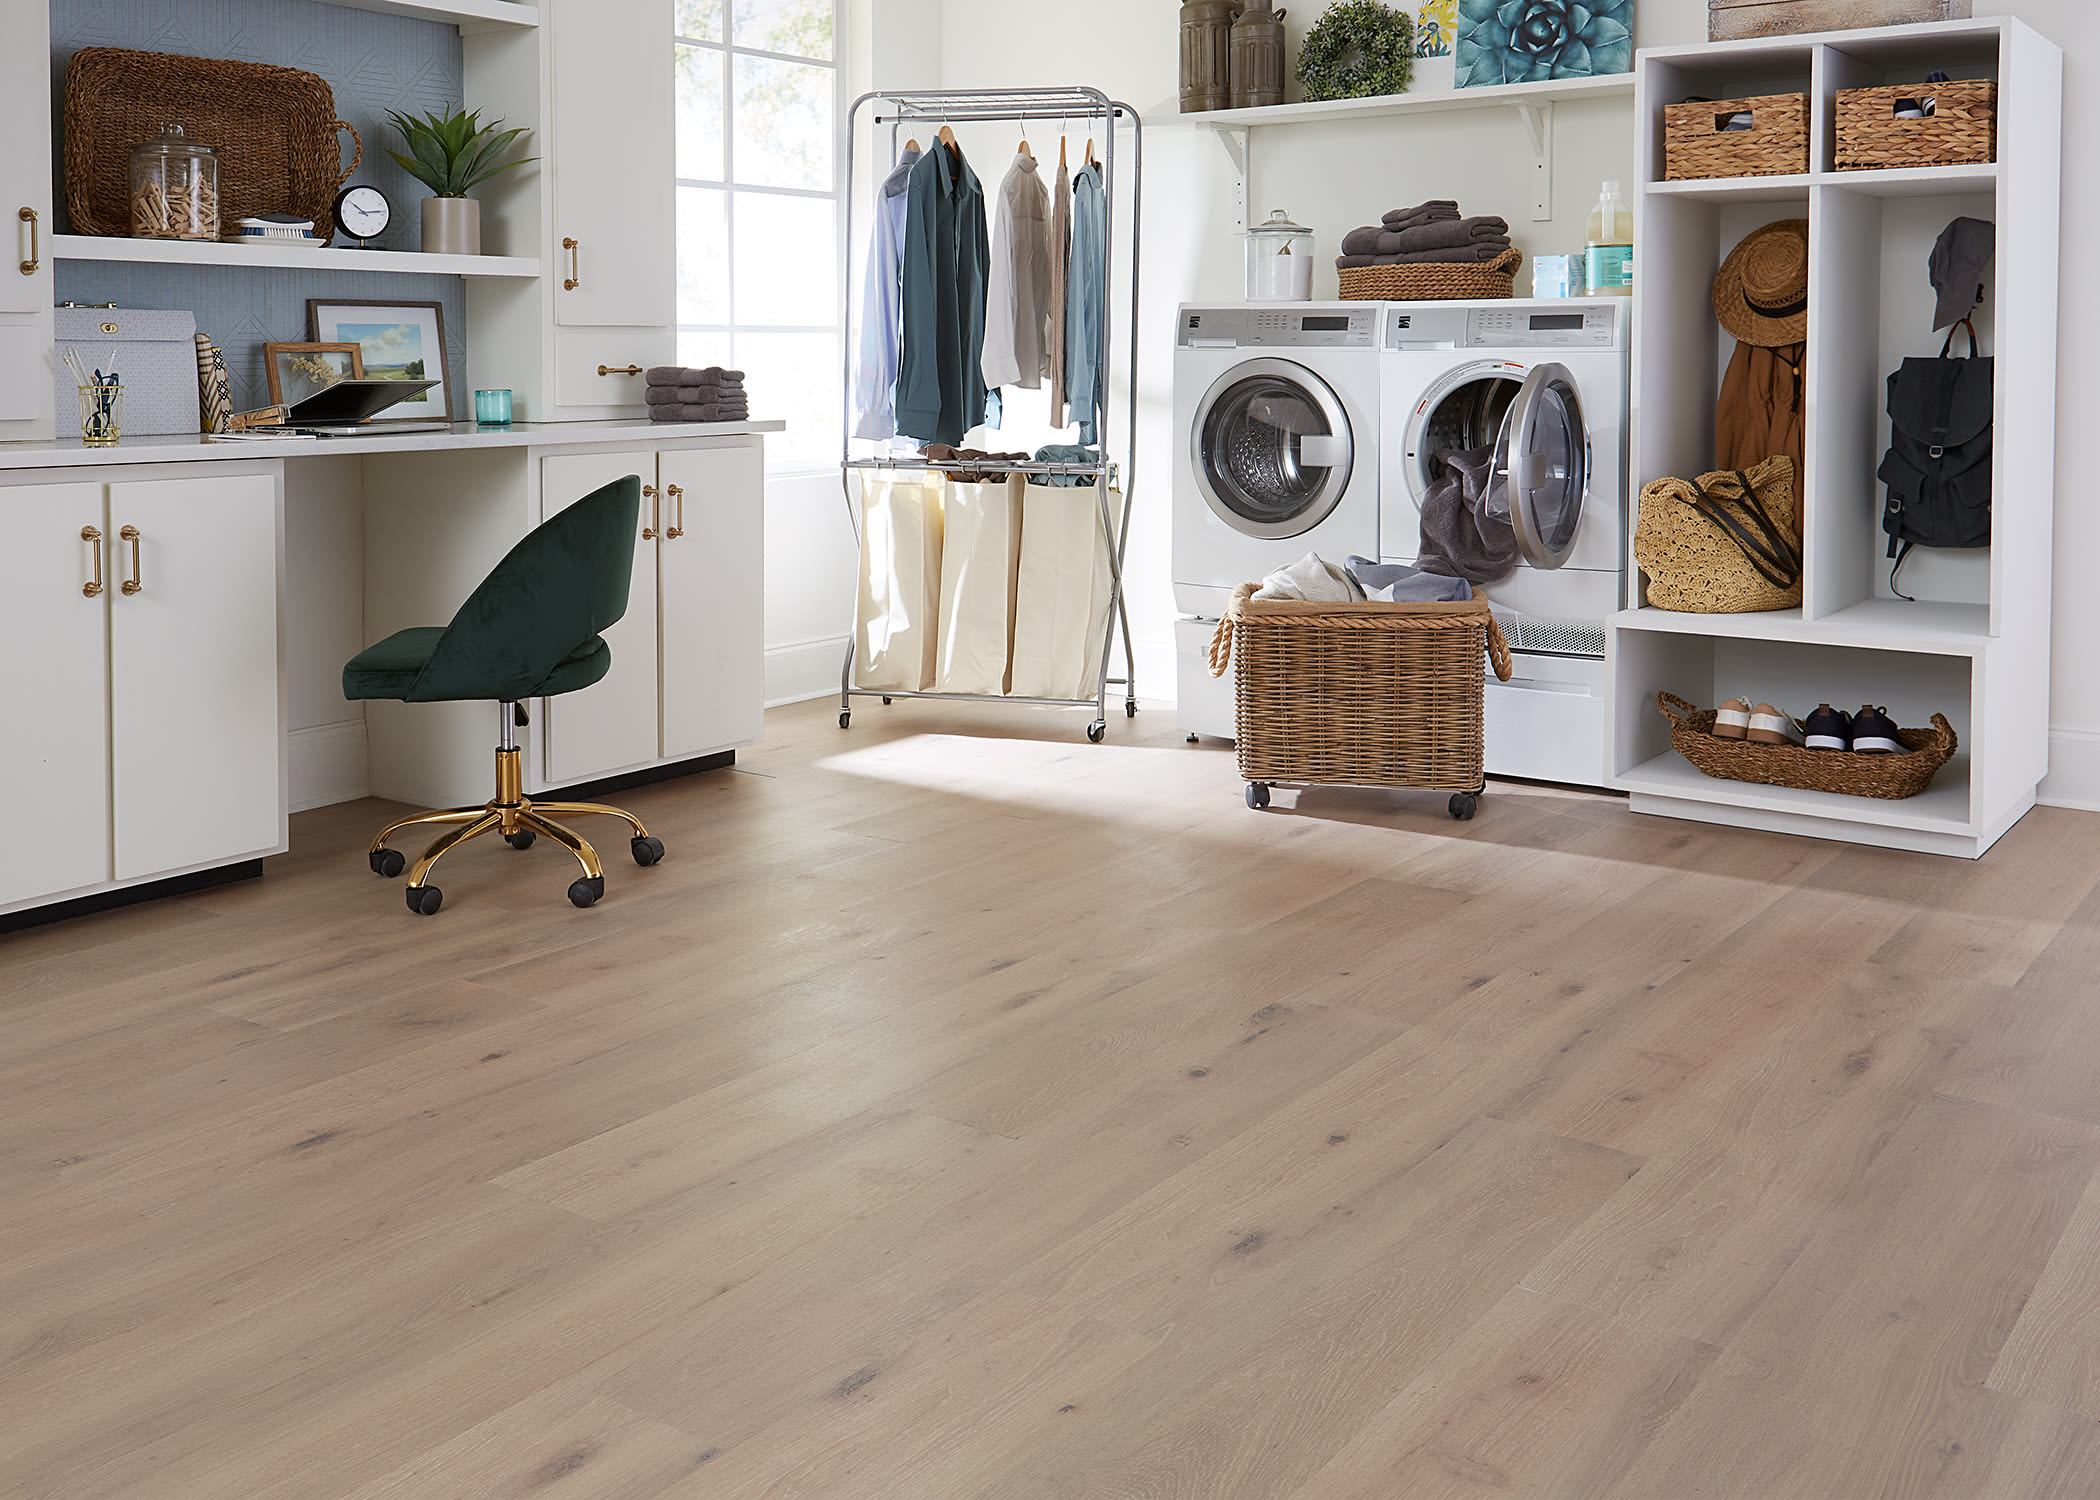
{"x": 101, "y": 401}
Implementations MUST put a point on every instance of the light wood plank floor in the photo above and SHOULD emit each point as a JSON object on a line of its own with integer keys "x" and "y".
{"x": 963, "y": 1110}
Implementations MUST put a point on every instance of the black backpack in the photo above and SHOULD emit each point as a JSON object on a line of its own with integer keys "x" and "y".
{"x": 1938, "y": 467}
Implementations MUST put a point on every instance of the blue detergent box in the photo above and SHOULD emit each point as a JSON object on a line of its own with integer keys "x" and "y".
{"x": 1558, "y": 276}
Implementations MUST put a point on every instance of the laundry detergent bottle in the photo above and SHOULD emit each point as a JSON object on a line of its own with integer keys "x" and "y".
{"x": 1608, "y": 259}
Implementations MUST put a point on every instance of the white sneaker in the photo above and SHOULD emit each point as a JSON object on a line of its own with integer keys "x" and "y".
{"x": 1768, "y": 726}
{"x": 1733, "y": 720}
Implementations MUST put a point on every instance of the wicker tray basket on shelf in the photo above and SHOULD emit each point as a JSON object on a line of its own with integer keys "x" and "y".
{"x": 1888, "y": 776}
{"x": 1433, "y": 281}
{"x": 1696, "y": 142}
{"x": 274, "y": 131}
{"x": 1362, "y": 694}
{"x": 1963, "y": 126}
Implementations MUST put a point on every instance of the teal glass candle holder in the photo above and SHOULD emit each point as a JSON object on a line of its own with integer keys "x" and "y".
{"x": 492, "y": 408}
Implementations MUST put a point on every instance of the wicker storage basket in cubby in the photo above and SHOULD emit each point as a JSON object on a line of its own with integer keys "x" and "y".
{"x": 1697, "y": 142}
{"x": 1880, "y": 127}
{"x": 1888, "y": 776}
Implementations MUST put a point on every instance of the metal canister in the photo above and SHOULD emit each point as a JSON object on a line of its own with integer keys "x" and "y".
{"x": 1257, "y": 57}
{"x": 1206, "y": 54}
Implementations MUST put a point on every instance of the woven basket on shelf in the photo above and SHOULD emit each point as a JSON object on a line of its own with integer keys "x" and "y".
{"x": 1433, "y": 281}
{"x": 1696, "y": 144}
{"x": 1359, "y": 694}
{"x": 273, "y": 129}
{"x": 1888, "y": 776}
{"x": 1963, "y": 126}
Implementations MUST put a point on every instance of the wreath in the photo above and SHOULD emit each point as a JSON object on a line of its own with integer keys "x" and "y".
{"x": 1359, "y": 49}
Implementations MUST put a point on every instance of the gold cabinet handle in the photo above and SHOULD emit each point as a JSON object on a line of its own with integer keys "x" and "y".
{"x": 619, "y": 369}
{"x": 575, "y": 278}
{"x": 676, "y": 492}
{"x": 655, "y": 516}
{"x": 93, "y": 587}
{"x": 132, "y": 585}
{"x": 35, "y": 262}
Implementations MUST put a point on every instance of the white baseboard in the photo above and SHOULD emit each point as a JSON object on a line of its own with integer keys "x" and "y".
{"x": 328, "y": 765}
{"x": 797, "y": 671}
{"x": 2074, "y": 770}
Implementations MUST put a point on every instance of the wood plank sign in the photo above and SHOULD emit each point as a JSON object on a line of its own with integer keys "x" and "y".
{"x": 1728, "y": 20}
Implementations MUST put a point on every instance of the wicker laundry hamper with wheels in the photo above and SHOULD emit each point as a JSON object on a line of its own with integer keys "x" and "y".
{"x": 1362, "y": 694}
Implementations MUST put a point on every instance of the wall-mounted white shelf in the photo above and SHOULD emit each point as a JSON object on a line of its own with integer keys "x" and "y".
{"x": 282, "y": 257}
{"x": 1533, "y": 103}
{"x": 468, "y": 15}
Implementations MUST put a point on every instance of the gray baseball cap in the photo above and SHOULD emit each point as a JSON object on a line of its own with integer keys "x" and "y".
{"x": 1963, "y": 249}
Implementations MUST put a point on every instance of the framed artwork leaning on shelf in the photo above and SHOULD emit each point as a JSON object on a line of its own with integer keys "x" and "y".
{"x": 395, "y": 341}
{"x": 296, "y": 371}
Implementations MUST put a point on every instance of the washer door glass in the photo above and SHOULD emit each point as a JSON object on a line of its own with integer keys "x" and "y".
{"x": 1272, "y": 448}
{"x": 1543, "y": 454}
{"x": 1462, "y": 409}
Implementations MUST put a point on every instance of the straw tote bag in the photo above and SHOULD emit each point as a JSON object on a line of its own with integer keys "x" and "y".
{"x": 1723, "y": 543}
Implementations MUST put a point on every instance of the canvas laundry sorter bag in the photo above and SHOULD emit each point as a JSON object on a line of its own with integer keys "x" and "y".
{"x": 1062, "y": 596}
{"x": 895, "y": 634}
{"x": 980, "y": 578}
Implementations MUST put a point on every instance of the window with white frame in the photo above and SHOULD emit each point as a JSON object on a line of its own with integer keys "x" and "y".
{"x": 758, "y": 205}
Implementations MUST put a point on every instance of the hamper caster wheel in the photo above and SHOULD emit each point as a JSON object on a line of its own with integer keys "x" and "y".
{"x": 522, "y": 839}
{"x": 647, "y": 850}
{"x": 844, "y": 719}
{"x": 424, "y": 900}
{"x": 1097, "y": 731}
{"x": 886, "y": 701}
{"x": 1130, "y": 708}
{"x": 586, "y": 891}
{"x": 387, "y": 862}
{"x": 1257, "y": 795}
{"x": 1463, "y": 805}
{"x": 1192, "y": 739}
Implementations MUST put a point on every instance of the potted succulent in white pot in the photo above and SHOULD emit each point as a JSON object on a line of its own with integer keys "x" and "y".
{"x": 452, "y": 154}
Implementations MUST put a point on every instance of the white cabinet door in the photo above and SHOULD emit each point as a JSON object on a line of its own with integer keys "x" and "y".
{"x": 610, "y": 725}
{"x": 713, "y": 632}
{"x": 196, "y": 675}
{"x": 613, "y": 149}
{"x": 55, "y": 756}
{"x": 25, "y": 173}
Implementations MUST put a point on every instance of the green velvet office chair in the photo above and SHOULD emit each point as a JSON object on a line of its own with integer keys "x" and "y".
{"x": 532, "y": 629}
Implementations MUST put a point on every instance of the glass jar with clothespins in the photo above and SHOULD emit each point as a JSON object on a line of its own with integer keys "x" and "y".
{"x": 174, "y": 188}
{"x": 1279, "y": 260}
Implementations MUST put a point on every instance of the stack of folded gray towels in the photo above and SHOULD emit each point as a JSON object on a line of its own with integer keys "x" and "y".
{"x": 678, "y": 393}
{"x": 1427, "y": 233}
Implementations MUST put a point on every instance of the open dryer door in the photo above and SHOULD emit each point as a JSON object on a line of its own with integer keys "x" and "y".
{"x": 1542, "y": 457}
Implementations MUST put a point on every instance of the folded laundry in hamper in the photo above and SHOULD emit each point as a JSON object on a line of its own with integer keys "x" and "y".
{"x": 1313, "y": 580}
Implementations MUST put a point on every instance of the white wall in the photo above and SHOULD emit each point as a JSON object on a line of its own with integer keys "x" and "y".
{"x": 1338, "y": 176}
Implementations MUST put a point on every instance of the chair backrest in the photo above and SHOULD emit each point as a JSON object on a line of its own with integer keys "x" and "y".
{"x": 565, "y": 583}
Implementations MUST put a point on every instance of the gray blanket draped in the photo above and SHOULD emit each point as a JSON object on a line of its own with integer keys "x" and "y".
{"x": 1465, "y": 518}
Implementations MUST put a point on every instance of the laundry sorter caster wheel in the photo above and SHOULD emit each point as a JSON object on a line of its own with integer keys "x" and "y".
{"x": 1130, "y": 708}
{"x": 844, "y": 719}
{"x": 1257, "y": 795}
{"x": 387, "y": 862}
{"x": 1097, "y": 731}
{"x": 647, "y": 850}
{"x": 1192, "y": 739}
{"x": 522, "y": 839}
{"x": 1463, "y": 806}
{"x": 586, "y": 891}
{"x": 886, "y": 701}
{"x": 424, "y": 900}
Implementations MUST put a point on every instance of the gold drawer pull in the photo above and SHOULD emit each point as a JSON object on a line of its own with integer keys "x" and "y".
{"x": 575, "y": 278}
{"x": 655, "y": 517}
{"x": 132, "y": 585}
{"x": 676, "y": 492}
{"x": 35, "y": 262}
{"x": 93, "y": 587}
{"x": 619, "y": 369}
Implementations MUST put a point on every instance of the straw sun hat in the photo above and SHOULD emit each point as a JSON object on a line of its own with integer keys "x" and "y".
{"x": 1761, "y": 291}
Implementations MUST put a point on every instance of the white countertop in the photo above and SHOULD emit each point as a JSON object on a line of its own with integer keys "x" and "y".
{"x": 192, "y": 447}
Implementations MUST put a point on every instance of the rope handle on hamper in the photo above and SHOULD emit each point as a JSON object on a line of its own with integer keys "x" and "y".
{"x": 1221, "y": 638}
{"x": 1498, "y": 651}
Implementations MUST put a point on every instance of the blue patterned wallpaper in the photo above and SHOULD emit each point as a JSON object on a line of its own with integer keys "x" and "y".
{"x": 373, "y": 63}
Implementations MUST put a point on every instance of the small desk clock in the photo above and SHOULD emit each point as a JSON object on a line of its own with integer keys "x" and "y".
{"x": 362, "y": 213}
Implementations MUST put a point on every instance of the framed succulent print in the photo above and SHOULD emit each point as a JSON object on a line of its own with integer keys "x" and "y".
{"x": 1530, "y": 41}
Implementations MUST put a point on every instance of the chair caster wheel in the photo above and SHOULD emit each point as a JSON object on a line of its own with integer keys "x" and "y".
{"x": 885, "y": 702}
{"x": 1097, "y": 731}
{"x": 522, "y": 839}
{"x": 387, "y": 862}
{"x": 1257, "y": 795}
{"x": 845, "y": 719}
{"x": 585, "y": 892}
{"x": 1130, "y": 708}
{"x": 647, "y": 850}
{"x": 1463, "y": 806}
{"x": 424, "y": 900}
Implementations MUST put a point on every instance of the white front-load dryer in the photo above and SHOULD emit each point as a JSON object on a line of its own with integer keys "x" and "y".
{"x": 1545, "y": 386}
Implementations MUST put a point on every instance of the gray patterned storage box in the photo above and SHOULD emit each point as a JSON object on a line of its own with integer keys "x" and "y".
{"x": 155, "y": 359}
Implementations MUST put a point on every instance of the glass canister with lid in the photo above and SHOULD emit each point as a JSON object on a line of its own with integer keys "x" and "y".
{"x": 174, "y": 188}
{"x": 1279, "y": 260}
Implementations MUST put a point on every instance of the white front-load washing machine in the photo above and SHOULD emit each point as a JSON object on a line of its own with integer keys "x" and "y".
{"x": 1546, "y": 385}
{"x": 1276, "y": 412}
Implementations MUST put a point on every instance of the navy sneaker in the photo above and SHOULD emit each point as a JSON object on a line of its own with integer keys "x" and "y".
{"x": 1828, "y": 728}
{"x": 1875, "y": 733}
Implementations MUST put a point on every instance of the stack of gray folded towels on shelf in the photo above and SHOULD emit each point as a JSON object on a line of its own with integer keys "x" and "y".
{"x": 1428, "y": 233}
{"x": 678, "y": 393}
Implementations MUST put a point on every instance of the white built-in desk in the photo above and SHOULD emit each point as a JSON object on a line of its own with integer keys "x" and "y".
{"x": 169, "y": 601}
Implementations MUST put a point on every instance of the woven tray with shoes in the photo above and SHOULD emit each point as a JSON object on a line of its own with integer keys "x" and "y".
{"x": 1852, "y": 775}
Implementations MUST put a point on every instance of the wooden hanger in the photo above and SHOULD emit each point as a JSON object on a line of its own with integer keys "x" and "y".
{"x": 912, "y": 144}
{"x": 947, "y": 138}
{"x": 1061, "y": 166}
{"x": 1090, "y": 151}
{"x": 1024, "y": 149}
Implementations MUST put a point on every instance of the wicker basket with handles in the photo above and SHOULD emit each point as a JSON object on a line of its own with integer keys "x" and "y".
{"x": 1877, "y": 128}
{"x": 1697, "y": 142}
{"x": 1433, "y": 281}
{"x": 1839, "y": 771}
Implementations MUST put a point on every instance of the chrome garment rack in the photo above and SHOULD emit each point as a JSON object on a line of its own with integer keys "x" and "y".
{"x": 1077, "y": 106}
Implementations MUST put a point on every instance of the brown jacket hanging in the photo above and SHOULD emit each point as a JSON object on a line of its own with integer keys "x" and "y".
{"x": 1759, "y": 410}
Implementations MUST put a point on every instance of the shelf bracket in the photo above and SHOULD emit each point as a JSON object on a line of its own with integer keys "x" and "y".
{"x": 1238, "y": 143}
{"x": 1538, "y": 124}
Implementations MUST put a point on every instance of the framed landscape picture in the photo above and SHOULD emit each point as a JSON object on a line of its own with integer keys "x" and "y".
{"x": 395, "y": 341}
{"x": 297, "y": 371}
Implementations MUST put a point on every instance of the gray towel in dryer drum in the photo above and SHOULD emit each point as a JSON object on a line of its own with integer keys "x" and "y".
{"x": 154, "y": 354}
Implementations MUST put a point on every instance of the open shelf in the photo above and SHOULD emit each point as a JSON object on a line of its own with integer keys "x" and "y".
{"x": 294, "y": 257}
{"x": 1942, "y": 807}
{"x": 474, "y": 13}
{"x": 1895, "y": 182}
{"x": 1504, "y": 96}
{"x": 1942, "y": 629}
{"x": 1788, "y": 187}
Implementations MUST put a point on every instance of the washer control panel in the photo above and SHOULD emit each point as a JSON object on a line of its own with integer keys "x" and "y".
{"x": 1296, "y": 325}
{"x": 1560, "y": 324}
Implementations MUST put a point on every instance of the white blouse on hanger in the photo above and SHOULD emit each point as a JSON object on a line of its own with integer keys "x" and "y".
{"x": 1018, "y": 291}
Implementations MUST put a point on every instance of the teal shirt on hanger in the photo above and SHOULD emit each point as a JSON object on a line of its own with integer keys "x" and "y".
{"x": 1083, "y": 303}
{"x": 947, "y": 256}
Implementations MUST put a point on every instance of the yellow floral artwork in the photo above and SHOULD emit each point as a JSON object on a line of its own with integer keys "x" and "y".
{"x": 1436, "y": 28}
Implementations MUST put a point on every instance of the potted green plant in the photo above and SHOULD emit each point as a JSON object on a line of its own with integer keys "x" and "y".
{"x": 452, "y": 154}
